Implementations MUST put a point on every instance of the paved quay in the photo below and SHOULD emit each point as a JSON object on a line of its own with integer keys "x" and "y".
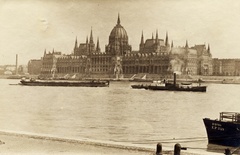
{"x": 16, "y": 143}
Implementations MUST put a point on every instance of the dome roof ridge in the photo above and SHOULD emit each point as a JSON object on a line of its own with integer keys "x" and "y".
{"x": 118, "y": 31}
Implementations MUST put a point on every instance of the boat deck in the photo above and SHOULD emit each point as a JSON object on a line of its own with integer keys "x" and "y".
{"x": 230, "y": 116}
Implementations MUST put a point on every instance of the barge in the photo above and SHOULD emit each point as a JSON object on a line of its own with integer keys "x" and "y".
{"x": 66, "y": 83}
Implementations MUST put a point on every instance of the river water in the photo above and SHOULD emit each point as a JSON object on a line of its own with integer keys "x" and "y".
{"x": 115, "y": 114}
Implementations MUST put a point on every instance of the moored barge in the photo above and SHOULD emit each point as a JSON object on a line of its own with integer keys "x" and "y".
{"x": 66, "y": 83}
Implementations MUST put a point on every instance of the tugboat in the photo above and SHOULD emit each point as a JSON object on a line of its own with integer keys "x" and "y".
{"x": 67, "y": 83}
{"x": 225, "y": 130}
{"x": 178, "y": 87}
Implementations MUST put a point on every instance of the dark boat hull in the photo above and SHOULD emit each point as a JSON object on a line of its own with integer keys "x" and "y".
{"x": 222, "y": 133}
{"x": 140, "y": 86}
{"x": 66, "y": 83}
{"x": 173, "y": 88}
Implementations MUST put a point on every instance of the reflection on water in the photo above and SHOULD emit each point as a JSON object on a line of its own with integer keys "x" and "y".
{"x": 116, "y": 113}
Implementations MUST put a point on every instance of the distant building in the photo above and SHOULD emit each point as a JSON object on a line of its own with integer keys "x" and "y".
{"x": 49, "y": 62}
{"x": 155, "y": 56}
{"x": 22, "y": 69}
{"x": 34, "y": 66}
{"x": 226, "y": 67}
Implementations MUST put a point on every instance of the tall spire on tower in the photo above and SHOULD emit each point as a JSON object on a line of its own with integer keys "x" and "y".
{"x": 208, "y": 48}
{"x": 142, "y": 39}
{"x": 98, "y": 48}
{"x": 87, "y": 40}
{"x": 118, "y": 21}
{"x": 91, "y": 37}
{"x": 186, "y": 46}
{"x": 172, "y": 45}
{"x": 166, "y": 40}
{"x": 76, "y": 44}
{"x": 156, "y": 36}
{"x": 152, "y": 38}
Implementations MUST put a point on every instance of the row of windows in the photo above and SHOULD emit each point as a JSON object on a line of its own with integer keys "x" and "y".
{"x": 145, "y": 69}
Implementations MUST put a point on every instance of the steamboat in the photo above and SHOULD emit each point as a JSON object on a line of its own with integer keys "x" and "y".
{"x": 187, "y": 86}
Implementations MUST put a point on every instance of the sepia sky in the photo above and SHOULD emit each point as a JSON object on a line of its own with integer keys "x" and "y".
{"x": 28, "y": 27}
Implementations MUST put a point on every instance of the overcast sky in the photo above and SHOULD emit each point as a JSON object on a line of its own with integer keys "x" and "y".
{"x": 28, "y": 27}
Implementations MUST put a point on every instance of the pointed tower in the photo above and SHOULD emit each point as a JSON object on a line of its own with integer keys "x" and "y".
{"x": 76, "y": 44}
{"x": 118, "y": 21}
{"x": 153, "y": 39}
{"x": 172, "y": 45}
{"x": 156, "y": 40}
{"x": 186, "y": 46}
{"x": 91, "y": 43}
{"x": 53, "y": 50}
{"x": 141, "y": 45}
{"x": 91, "y": 37}
{"x": 87, "y": 46}
{"x": 142, "y": 39}
{"x": 208, "y": 48}
{"x": 166, "y": 40}
{"x": 87, "y": 40}
{"x": 75, "y": 49}
{"x": 98, "y": 47}
{"x": 45, "y": 52}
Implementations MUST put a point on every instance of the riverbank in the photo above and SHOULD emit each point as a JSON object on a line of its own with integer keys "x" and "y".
{"x": 15, "y": 143}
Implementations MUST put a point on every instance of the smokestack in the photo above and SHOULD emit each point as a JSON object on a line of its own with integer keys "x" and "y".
{"x": 174, "y": 79}
{"x": 16, "y": 64}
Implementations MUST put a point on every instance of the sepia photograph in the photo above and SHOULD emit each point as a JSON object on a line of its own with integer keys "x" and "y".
{"x": 127, "y": 77}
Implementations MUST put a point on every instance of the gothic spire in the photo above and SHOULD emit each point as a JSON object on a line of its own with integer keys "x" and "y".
{"x": 186, "y": 46}
{"x": 166, "y": 40}
{"x": 98, "y": 48}
{"x": 91, "y": 37}
{"x": 153, "y": 39}
{"x": 53, "y": 50}
{"x": 172, "y": 45}
{"x": 87, "y": 40}
{"x": 76, "y": 44}
{"x": 142, "y": 39}
{"x": 208, "y": 48}
{"x": 156, "y": 35}
{"x": 118, "y": 21}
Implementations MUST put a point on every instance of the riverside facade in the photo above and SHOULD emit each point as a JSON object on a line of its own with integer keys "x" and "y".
{"x": 155, "y": 56}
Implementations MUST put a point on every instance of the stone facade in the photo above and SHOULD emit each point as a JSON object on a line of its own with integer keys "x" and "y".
{"x": 49, "y": 63}
{"x": 34, "y": 66}
{"x": 155, "y": 56}
{"x": 226, "y": 67}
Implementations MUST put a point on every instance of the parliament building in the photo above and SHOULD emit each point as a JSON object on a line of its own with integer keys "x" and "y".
{"x": 155, "y": 57}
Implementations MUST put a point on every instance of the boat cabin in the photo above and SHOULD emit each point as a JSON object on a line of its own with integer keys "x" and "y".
{"x": 230, "y": 117}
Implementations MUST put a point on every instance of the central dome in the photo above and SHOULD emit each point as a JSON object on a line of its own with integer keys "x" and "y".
{"x": 118, "y": 41}
{"x": 118, "y": 32}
